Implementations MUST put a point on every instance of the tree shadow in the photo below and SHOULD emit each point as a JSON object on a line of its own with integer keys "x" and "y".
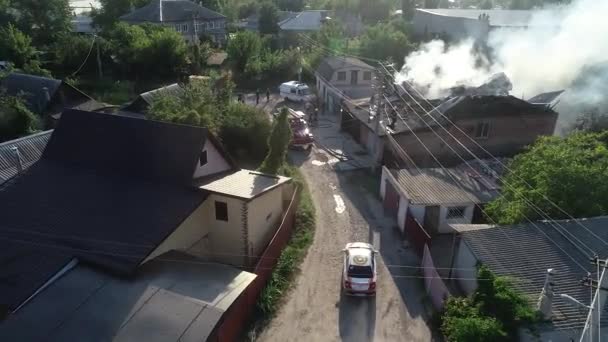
{"x": 357, "y": 318}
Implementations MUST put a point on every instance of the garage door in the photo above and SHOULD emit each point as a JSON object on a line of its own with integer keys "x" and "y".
{"x": 391, "y": 200}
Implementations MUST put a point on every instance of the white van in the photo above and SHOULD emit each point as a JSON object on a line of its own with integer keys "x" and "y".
{"x": 295, "y": 91}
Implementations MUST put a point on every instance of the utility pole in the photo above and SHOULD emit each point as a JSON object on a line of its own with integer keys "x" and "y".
{"x": 380, "y": 88}
{"x": 592, "y": 325}
{"x": 99, "y": 69}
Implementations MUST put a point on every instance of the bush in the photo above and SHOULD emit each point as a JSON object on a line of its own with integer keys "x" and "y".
{"x": 15, "y": 119}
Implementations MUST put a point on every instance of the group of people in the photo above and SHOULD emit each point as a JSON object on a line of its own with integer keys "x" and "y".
{"x": 257, "y": 96}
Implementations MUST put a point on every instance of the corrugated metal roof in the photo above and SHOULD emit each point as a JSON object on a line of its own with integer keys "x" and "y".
{"x": 245, "y": 184}
{"x": 523, "y": 253}
{"x": 304, "y": 21}
{"x": 435, "y": 186}
{"x": 30, "y": 149}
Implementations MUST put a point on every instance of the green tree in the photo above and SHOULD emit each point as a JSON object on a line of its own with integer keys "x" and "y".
{"x": 571, "y": 172}
{"x": 290, "y": 5}
{"x": 462, "y": 322}
{"x": 247, "y": 9}
{"x": 591, "y": 120}
{"x": 408, "y": 7}
{"x": 199, "y": 53}
{"x": 431, "y": 3}
{"x": 112, "y": 10}
{"x": 383, "y": 41}
{"x": 269, "y": 18}
{"x": 15, "y": 119}
{"x": 167, "y": 54}
{"x": 44, "y": 21}
{"x": 278, "y": 142}
{"x": 15, "y": 46}
{"x": 243, "y": 47}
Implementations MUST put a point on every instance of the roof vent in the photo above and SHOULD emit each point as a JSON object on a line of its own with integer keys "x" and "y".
{"x": 18, "y": 161}
{"x": 545, "y": 301}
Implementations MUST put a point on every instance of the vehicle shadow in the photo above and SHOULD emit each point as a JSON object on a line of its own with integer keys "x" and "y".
{"x": 357, "y": 318}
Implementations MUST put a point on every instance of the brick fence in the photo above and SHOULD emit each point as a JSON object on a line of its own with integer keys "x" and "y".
{"x": 238, "y": 315}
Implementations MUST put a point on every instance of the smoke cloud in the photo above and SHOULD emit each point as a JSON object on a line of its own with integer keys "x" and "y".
{"x": 557, "y": 51}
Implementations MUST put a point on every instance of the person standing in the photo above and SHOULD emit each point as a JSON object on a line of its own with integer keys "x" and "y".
{"x": 257, "y": 96}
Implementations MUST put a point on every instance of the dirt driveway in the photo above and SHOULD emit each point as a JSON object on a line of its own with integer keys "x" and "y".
{"x": 314, "y": 310}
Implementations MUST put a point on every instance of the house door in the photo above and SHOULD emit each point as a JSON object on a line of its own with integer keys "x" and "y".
{"x": 431, "y": 219}
{"x": 354, "y": 77}
{"x": 391, "y": 200}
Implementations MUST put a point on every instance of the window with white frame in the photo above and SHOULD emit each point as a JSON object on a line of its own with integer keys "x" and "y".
{"x": 482, "y": 130}
{"x": 178, "y": 28}
{"x": 184, "y": 27}
{"x": 455, "y": 212}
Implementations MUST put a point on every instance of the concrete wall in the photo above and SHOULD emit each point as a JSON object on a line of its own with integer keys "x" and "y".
{"x": 192, "y": 230}
{"x": 418, "y": 212}
{"x": 444, "y": 222}
{"x": 401, "y": 214}
{"x": 500, "y": 142}
{"x": 465, "y": 268}
{"x": 264, "y": 215}
{"x": 227, "y": 243}
{"x": 403, "y": 199}
{"x": 215, "y": 162}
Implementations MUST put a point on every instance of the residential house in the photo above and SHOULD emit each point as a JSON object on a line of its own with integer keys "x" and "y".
{"x": 120, "y": 192}
{"x": 47, "y": 97}
{"x": 342, "y": 77}
{"x": 186, "y": 17}
{"x": 524, "y": 253}
{"x": 480, "y": 123}
{"x": 16, "y": 156}
{"x": 437, "y": 197}
{"x": 252, "y": 22}
{"x": 460, "y": 24}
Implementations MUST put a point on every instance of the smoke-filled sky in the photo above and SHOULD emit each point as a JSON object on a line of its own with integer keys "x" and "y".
{"x": 550, "y": 55}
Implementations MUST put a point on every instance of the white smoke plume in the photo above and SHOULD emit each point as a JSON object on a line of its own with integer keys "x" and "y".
{"x": 552, "y": 53}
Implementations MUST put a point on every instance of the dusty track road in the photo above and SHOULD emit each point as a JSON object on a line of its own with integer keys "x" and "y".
{"x": 314, "y": 309}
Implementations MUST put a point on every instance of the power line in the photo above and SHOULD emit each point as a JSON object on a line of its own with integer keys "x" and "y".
{"x": 86, "y": 58}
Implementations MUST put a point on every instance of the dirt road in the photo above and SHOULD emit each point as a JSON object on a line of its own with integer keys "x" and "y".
{"x": 314, "y": 310}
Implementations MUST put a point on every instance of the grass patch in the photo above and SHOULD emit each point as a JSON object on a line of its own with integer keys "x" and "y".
{"x": 287, "y": 267}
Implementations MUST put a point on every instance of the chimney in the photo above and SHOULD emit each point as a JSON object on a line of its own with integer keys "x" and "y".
{"x": 18, "y": 161}
{"x": 545, "y": 301}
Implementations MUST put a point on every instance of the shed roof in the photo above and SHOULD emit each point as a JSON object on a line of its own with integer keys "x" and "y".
{"x": 435, "y": 186}
{"x": 524, "y": 252}
{"x": 244, "y": 184}
{"x": 310, "y": 20}
{"x": 498, "y": 17}
{"x": 170, "y": 10}
{"x": 178, "y": 300}
{"x": 31, "y": 89}
{"x": 30, "y": 150}
{"x": 330, "y": 64}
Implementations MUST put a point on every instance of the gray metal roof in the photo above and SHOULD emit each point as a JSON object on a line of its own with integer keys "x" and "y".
{"x": 252, "y": 22}
{"x": 170, "y": 10}
{"x": 523, "y": 253}
{"x": 245, "y": 184}
{"x": 514, "y": 18}
{"x": 546, "y": 98}
{"x": 31, "y": 89}
{"x": 30, "y": 149}
{"x": 178, "y": 300}
{"x": 304, "y": 21}
{"x": 330, "y": 64}
{"x": 435, "y": 186}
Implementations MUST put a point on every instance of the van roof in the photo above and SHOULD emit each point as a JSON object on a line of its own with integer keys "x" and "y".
{"x": 295, "y": 84}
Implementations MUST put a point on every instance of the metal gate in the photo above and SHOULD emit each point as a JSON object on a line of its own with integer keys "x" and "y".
{"x": 391, "y": 199}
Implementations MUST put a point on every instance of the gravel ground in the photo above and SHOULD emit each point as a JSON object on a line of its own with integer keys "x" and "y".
{"x": 314, "y": 309}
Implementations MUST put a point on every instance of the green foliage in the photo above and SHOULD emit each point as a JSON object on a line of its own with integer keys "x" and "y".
{"x": 15, "y": 119}
{"x": 44, "y": 21}
{"x": 247, "y": 9}
{"x": 199, "y": 53}
{"x": 290, "y": 5}
{"x": 487, "y": 4}
{"x": 243, "y": 47}
{"x": 591, "y": 120}
{"x": 15, "y": 46}
{"x": 383, "y": 42}
{"x": 570, "y": 171}
{"x": 278, "y": 142}
{"x": 494, "y": 313}
{"x": 269, "y": 18}
{"x": 111, "y": 10}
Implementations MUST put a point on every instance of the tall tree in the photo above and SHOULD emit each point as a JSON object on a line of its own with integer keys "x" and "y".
{"x": 290, "y": 5}
{"x": 383, "y": 42}
{"x": 111, "y": 10}
{"x": 571, "y": 172}
{"x": 269, "y": 18}
{"x": 407, "y": 9}
{"x": 487, "y": 4}
{"x": 242, "y": 47}
{"x": 278, "y": 143}
{"x": 15, "y": 46}
{"x": 44, "y": 21}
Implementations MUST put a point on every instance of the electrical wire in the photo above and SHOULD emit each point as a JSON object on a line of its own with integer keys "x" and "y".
{"x": 86, "y": 58}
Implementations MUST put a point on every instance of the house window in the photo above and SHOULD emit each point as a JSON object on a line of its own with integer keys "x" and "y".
{"x": 367, "y": 76}
{"x": 178, "y": 28}
{"x": 185, "y": 28}
{"x": 481, "y": 130}
{"x": 342, "y": 76}
{"x": 221, "y": 211}
{"x": 354, "y": 76}
{"x": 202, "y": 160}
{"x": 455, "y": 212}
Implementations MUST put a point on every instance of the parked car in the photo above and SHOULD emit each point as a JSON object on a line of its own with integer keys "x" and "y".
{"x": 359, "y": 273}
{"x": 296, "y": 91}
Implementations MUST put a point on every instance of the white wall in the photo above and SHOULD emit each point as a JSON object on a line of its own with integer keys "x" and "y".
{"x": 346, "y": 82}
{"x": 383, "y": 179}
{"x": 215, "y": 162}
{"x": 444, "y": 223}
{"x": 193, "y": 229}
{"x": 403, "y": 204}
{"x": 418, "y": 212}
{"x": 264, "y": 215}
{"x": 465, "y": 268}
{"x": 226, "y": 238}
